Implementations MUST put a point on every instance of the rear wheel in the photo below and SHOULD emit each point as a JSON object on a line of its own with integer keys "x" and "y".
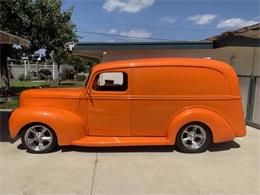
{"x": 39, "y": 138}
{"x": 193, "y": 138}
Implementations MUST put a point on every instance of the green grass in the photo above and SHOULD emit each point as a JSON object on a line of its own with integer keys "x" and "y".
{"x": 18, "y": 86}
{"x": 13, "y": 103}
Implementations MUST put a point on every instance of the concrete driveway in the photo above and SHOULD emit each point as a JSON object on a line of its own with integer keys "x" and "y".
{"x": 228, "y": 168}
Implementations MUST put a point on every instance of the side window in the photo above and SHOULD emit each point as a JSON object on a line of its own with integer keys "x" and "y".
{"x": 110, "y": 81}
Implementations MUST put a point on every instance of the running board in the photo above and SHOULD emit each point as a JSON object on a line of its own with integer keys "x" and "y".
{"x": 99, "y": 141}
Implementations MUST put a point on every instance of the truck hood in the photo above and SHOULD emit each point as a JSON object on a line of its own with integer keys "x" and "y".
{"x": 62, "y": 93}
{"x": 65, "y": 98}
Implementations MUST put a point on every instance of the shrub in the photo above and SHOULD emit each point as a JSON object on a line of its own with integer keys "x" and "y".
{"x": 33, "y": 75}
{"x": 81, "y": 78}
{"x": 68, "y": 73}
{"x": 24, "y": 77}
{"x": 11, "y": 76}
{"x": 21, "y": 77}
{"x": 44, "y": 74}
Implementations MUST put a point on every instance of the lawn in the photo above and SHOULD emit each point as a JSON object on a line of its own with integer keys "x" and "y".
{"x": 10, "y": 104}
{"x": 18, "y": 86}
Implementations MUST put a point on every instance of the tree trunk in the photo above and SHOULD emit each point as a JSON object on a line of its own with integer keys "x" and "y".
{"x": 4, "y": 52}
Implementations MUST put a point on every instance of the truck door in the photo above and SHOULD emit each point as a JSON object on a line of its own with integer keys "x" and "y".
{"x": 109, "y": 104}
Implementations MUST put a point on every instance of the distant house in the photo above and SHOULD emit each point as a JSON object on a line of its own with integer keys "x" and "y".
{"x": 247, "y": 36}
{"x": 240, "y": 49}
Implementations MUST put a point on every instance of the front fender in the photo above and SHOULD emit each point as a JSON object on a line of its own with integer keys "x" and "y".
{"x": 67, "y": 125}
{"x": 221, "y": 130}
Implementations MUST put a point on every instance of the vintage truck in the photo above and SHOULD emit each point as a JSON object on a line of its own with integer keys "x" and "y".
{"x": 162, "y": 101}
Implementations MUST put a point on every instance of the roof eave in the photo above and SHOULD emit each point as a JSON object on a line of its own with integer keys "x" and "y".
{"x": 142, "y": 45}
{"x": 7, "y": 38}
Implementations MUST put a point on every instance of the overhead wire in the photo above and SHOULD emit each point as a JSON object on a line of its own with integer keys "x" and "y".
{"x": 125, "y": 36}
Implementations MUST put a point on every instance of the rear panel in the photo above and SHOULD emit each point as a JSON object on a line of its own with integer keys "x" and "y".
{"x": 160, "y": 92}
{"x": 179, "y": 80}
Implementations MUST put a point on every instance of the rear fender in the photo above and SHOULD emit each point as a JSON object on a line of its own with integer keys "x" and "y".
{"x": 67, "y": 125}
{"x": 220, "y": 129}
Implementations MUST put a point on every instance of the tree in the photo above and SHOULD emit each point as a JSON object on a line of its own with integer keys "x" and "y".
{"x": 80, "y": 64}
{"x": 40, "y": 21}
{"x": 4, "y": 51}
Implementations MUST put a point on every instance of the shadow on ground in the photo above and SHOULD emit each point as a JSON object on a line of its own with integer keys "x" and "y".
{"x": 4, "y": 129}
{"x": 223, "y": 146}
{"x": 213, "y": 148}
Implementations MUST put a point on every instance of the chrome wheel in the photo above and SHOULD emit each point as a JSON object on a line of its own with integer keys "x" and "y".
{"x": 38, "y": 138}
{"x": 193, "y": 136}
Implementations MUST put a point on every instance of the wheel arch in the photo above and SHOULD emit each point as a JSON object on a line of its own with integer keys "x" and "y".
{"x": 66, "y": 125}
{"x": 220, "y": 129}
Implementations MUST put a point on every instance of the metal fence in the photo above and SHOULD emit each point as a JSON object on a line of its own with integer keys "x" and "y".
{"x": 19, "y": 69}
{"x": 250, "y": 92}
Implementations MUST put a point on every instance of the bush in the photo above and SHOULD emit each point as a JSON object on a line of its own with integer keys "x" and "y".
{"x": 68, "y": 73}
{"x": 44, "y": 74}
{"x": 81, "y": 78}
{"x": 33, "y": 75}
{"x": 22, "y": 77}
{"x": 11, "y": 76}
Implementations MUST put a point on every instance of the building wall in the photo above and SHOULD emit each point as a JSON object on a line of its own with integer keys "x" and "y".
{"x": 121, "y": 55}
{"x": 245, "y": 60}
{"x": 241, "y": 58}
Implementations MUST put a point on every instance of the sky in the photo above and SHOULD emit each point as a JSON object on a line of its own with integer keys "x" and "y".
{"x": 159, "y": 20}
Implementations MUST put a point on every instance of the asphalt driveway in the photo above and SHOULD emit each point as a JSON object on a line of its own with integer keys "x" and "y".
{"x": 228, "y": 168}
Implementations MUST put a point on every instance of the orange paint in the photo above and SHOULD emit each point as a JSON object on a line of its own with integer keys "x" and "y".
{"x": 162, "y": 95}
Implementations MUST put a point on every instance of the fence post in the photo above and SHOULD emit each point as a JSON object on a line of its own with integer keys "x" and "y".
{"x": 25, "y": 68}
{"x": 53, "y": 71}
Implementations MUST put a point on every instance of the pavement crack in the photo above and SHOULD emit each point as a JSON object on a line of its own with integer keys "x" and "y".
{"x": 94, "y": 174}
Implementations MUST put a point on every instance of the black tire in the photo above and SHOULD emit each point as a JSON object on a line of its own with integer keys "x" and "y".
{"x": 185, "y": 140}
{"x": 51, "y": 143}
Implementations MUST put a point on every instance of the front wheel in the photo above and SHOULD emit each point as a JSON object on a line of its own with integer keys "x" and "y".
{"x": 39, "y": 138}
{"x": 193, "y": 138}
